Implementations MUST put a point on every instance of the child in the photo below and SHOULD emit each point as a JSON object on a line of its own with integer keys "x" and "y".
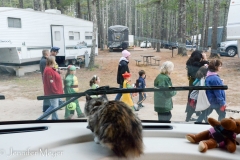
{"x": 71, "y": 86}
{"x": 126, "y": 97}
{"x": 94, "y": 84}
{"x": 140, "y": 83}
{"x": 201, "y": 73}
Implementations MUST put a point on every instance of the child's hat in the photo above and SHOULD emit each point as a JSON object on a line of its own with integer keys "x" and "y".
{"x": 125, "y": 53}
{"x": 126, "y": 75}
{"x": 72, "y": 68}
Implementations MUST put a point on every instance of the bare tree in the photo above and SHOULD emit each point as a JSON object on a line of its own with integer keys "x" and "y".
{"x": 36, "y": 5}
{"x": 203, "y": 38}
{"x": 78, "y": 9}
{"x": 89, "y": 11}
{"x": 226, "y": 9}
{"x": 20, "y": 3}
{"x": 214, "y": 29}
{"x": 158, "y": 28}
{"x": 45, "y": 4}
{"x": 95, "y": 31}
{"x": 179, "y": 31}
{"x": 182, "y": 47}
{"x": 207, "y": 25}
{"x": 51, "y": 4}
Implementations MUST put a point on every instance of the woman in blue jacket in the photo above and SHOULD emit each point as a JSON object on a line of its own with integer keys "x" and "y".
{"x": 216, "y": 98}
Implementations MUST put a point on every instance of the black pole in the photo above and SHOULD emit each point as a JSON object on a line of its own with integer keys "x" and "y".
{"x": 2, "y": 97}
{"x": 55, "y": 109}
{"x": 107, "y": 90}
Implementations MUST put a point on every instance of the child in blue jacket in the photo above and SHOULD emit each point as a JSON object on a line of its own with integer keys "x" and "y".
{"x": 140, "y": 83}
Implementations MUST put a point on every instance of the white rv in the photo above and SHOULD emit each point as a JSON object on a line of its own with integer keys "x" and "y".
{"x": 233, "y": 23}
{"x": 24, "y": 33}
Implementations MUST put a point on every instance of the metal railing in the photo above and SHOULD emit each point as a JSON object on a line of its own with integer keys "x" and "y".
{"x": 111, "y": 90}
{"x": 2, "y": 97}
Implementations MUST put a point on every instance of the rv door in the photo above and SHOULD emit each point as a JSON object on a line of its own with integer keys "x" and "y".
{"x": 58, "y": 39}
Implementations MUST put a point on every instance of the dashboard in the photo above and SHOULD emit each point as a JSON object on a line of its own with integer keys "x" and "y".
{"x": 47, "y": 140}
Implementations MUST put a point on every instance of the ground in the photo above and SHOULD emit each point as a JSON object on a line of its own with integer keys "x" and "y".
{"x": 21, "y": 92}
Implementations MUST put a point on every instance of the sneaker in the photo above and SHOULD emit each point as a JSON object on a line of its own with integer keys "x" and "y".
{"x": 193, "y": 119}
{"x": 81, "y": 115}
{"x": 136, "y": 107}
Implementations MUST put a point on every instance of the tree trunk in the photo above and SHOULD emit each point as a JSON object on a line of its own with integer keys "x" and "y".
{"x": 51, "y": 4}
{"x": 37, "y": 6}
{"x": 226, "y": 9}
{"x": 203, "y": 38}
{"x": 45, "y": 5}
{"x": 214, "y": 29}
{"x": 207, "y": 26}
{"x": 89, "y": 11}
{"x": 95, "y": 31}
{"x": 20, "y": 3}
{"x": 179, "y": 32}
{"x": 197, "y": 28}
{"x": 184, "y": 51}
{"x": 78, "y": 9}
{"x": 2, "y": 3}
{"x": 158, "y": 34}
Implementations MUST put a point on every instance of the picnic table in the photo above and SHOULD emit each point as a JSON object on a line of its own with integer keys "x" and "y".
{"x": 147, "y": 59}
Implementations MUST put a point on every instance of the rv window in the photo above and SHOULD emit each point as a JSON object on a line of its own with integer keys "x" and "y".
{"x": 57, "y": 36}
{"x": 14, "y": 22}
{"x": 71, "y": 36}
{"x": 74, "y": 35}
{"x": 88, "y": 35}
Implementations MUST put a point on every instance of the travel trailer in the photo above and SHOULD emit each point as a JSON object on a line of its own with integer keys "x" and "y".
{"x": 233, "y": 23}
{"x": 117, "y": 37}
{"x": 24, "y": 33}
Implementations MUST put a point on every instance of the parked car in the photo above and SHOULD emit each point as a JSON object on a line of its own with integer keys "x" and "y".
{"x": 228, "y": 48}
{"x": 143, "y": 44}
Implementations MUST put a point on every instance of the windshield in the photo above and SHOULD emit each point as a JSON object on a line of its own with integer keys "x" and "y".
{"x": 65, "y": 47}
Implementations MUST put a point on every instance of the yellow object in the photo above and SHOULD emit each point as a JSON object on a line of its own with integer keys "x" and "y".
{"x": 126, "y": 97}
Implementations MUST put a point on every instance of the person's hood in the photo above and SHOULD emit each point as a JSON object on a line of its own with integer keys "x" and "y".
{"x": 123, "y": 58}
{"x": 209, "y": 73}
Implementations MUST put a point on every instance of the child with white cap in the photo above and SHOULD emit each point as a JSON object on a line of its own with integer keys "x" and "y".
{"x": 122, "y": 68}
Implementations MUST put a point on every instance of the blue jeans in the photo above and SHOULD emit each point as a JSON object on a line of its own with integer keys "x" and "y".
{"x": 204, "y": 115}
{"x": 142, "y": 97}
{"x": 54, "y": 104}
{"x": 119, "y": 95}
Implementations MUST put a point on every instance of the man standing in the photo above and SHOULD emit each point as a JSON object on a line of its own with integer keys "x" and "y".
{"x": 122, "y": 68}
{"x": 54, "y": 52}
{"x": 45, "y": 54}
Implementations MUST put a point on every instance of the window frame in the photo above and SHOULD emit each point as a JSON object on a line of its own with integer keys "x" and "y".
{"x": 13, "y": 18}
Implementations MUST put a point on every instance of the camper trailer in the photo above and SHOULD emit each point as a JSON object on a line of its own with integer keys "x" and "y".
{"x": 233, "y": 23}
{"x": 117, "y": 37}
{"x": 24, "y": 33}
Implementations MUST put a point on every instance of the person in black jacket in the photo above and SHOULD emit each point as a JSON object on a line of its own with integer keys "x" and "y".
{"x": 122, "y": 68}
{"x": 195, "y": 61}
{"x": 42, "y": 65}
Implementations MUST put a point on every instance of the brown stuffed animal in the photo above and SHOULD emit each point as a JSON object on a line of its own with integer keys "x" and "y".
{"x": 222, "y": 135}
